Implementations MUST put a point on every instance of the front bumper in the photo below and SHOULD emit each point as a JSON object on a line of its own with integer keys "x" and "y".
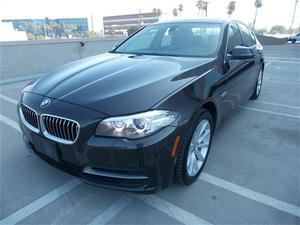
{"x": 141, "y": 165}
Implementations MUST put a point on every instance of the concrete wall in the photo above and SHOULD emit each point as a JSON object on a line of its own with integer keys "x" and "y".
{"x": 268, "y": 40}
{"x": 27, "y": 58}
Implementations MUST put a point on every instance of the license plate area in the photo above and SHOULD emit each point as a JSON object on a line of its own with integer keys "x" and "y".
{"x": 46, "y": 147}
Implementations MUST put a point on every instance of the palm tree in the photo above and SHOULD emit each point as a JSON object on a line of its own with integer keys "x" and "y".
{"x": 258, "y": 4}
{"x": 231, "y": 8}
{"x": 157, "y": 12}
{"x": 175, "y": 12}
{"x": 180, "y": 9}
{"x": 201, "y": 5}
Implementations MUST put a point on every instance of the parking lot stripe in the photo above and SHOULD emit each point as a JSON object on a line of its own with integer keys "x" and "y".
{"x": 8, "y": 99}
{"x": 40, "y": 203}
{"x": 281, "y": 105}
{"x": 10, "y": 123}
{"x": 269, "y": 79}
{"x": 270, "y": 112}
{"x": 110, "y": 212}
{"x": 256, "y": 196}
{"x": 268, "y": 63}
{"x": 171, "y": 210}
{"x": 284, "y": 60}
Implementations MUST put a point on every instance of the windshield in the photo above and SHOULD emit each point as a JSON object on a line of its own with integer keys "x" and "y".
{"x": 175, "y": 39}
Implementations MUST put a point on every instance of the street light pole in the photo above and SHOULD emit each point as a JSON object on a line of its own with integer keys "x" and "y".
{"x": 291, "y": 28}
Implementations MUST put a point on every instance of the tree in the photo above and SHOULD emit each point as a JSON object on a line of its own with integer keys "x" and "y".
{"x": 157, "y": 12}
{"x": 202, "y": 6}
{"x": 30, "y": 36}
{"x": 175, "y": 12}
{"x": 91, "y": 34}
{"x": 231, "y": 8}
{"x": 258, "y": 4}
{"x": 261, "y": 31}
{"x": 180, "y": 9}
{"x": 278, "y": 29}
{"x": 131, "y": 30}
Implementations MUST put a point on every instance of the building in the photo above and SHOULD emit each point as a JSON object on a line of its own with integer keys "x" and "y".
{"x": 8, "y": 33}
{"x": 118, "y": 25}
{"x": 60, "y": 26}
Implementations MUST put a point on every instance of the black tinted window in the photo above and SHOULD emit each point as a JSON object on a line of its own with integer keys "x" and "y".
{"x": 248, "y": 37}
{"x": 234, "y": 37}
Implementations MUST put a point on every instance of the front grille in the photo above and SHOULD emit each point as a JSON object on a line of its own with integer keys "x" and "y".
{"x": 60, "y": 129}
{"x": 30, "y": 116}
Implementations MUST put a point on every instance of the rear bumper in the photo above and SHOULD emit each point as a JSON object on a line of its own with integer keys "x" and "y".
{"x": 143, "y": 165}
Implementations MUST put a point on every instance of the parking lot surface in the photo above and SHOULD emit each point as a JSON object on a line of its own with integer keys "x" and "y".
{"x": 252, "y": 175}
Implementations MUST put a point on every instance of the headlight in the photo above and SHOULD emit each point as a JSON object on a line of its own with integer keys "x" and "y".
{"x": 137, "y": 125}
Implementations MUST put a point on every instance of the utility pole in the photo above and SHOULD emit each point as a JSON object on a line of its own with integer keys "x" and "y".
{"x": 206, "y": 4}
{"x": 291, "y": 28}
{"x": 92, "y": 22}
{"x": 140, "y": 18}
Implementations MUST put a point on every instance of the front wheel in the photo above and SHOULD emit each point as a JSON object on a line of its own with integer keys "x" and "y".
{"x": 194, "y": 149}
{"x": 258, "y": 86}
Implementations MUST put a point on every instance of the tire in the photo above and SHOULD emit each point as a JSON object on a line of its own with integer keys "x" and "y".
{"x": 294, "y": 41}
{"x": 182, "y": 172}
{"x": 258, "y": 86}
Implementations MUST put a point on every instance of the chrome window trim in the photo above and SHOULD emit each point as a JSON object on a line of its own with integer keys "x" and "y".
{"x": 28, "y": 125}
{"x": 53, "y": 138}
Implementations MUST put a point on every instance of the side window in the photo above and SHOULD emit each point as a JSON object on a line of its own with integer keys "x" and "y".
{"x": 248, "y": 37}
{"x": 234, "y": 37}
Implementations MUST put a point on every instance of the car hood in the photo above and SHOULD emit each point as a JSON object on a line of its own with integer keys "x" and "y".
{"x": 119, "y": 84}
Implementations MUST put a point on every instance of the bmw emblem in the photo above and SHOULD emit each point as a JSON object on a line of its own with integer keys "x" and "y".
{"x": 45, "y": 103}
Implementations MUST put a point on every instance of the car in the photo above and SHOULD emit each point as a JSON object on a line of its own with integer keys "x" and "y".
{"x": 143, "y": 115}
{"x": 294, "y": 38}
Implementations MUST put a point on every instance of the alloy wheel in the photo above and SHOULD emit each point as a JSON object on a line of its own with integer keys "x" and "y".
{"x": 198, "y": 148}
{"x": 259, "y": 83}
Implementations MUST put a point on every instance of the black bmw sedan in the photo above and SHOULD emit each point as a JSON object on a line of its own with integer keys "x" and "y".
{"x": 144, "y": 114}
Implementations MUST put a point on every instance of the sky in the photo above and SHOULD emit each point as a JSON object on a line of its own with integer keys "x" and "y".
{"x": 273, "y": 12}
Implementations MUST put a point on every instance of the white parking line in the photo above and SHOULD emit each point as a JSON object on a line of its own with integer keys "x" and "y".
{"x": 110, "y": 212}
{"x": 8, "y": 99}
{"x": 280, "y": 105}
{"x": 10, "y": 123}
{"x": 270, "y": 79}
{"x": 256, "y": 196}
{"x": 284, "y": 60}
{"x": 268, "y": 63}
{"x": 171, "y": 210}
{"x": 40, "y": 203}
{"x": 270, "y": 112}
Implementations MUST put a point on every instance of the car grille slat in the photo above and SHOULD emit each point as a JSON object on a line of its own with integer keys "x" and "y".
{"x": 60, "y": 129}
{"x": 30, "y": 116}
{"x": 72, "y": 131}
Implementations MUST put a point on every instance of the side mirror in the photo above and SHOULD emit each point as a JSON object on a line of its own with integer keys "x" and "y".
{"x": 241, "y": 52}
{"x": 115, "y": 46}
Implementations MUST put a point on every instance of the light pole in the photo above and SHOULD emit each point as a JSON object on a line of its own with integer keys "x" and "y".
{"x": 291, "y": 28}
